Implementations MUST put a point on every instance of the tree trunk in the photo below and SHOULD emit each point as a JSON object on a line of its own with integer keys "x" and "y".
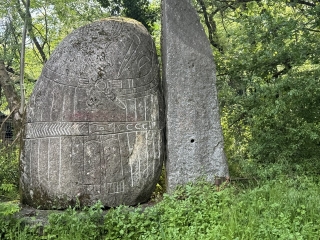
{"x": 27, "y": 15}
{"x": 12, "y": 97}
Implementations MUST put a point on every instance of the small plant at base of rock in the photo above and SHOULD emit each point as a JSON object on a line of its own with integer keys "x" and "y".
{"x": 74, "y": 224}
{"x": 8, "y": 223}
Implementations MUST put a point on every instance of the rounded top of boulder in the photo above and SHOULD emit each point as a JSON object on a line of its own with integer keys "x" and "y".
{"x": 113, "y": 49}
{"x": 124, "y": 20}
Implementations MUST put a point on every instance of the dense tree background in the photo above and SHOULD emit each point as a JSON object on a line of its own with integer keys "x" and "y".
{"x": 268, "y": 78}
{"x": 267, "y": 59}
{"x": 140, "y": 10}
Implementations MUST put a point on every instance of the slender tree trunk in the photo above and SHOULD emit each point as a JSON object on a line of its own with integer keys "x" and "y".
{"x": 22, "y": 60}
{"x": 211, "y": 26}
{"x": 27, "y": 15}
{"x": 12, "y": 97}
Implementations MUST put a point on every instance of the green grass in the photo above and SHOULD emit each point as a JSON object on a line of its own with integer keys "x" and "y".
{"x": 277, "y": 209}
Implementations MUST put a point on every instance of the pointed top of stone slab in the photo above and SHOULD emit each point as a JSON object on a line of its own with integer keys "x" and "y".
{"x": 182, "y": 21}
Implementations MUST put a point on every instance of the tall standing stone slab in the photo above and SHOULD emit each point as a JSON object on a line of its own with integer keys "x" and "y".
{"x": 194, "y": 135}
{"x": 94, "y": 121}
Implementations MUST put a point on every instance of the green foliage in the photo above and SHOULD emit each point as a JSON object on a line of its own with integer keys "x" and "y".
{"x": 8, "y": 208}
{"x": 128, "y": 223}
{"x": 10, "y": 226}
{"x": 51, "y": 22}
{"x": 74, "y": 224}
{"x": 9, "y": 166}
{"x": 278, "y": 209}
{"x": 281, "y": 209}
{"x": 268, "y": 82}
{"x": 141, "y": 10}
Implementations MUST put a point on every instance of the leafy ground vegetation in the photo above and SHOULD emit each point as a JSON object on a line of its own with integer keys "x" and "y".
{"x": 278, "y": 209}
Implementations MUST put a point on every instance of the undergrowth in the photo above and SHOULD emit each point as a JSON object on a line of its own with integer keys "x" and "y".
{"x": 277, "y": 209}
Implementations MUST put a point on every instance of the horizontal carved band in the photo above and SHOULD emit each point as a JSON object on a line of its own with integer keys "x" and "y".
{"x": 48, "y": 129}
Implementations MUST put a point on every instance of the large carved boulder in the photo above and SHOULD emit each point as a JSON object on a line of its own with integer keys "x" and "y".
{"x": 94, "y": 120}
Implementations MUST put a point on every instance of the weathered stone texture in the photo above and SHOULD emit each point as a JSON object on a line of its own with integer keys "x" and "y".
{"x": 94, "y": 129}
{"x": 194, "y": 135}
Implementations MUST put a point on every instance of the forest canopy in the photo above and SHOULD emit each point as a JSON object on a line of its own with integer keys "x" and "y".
{"x": 268, "y": 78}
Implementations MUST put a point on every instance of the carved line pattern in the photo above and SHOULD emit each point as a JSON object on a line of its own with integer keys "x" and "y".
{"x": 115, "y": 187}
{"x": 47, "y": 129}
{"x": 115, "y": 84}
{"x": 55, "y": 163}
{"x": 82, "y": 82}
{"x": 35, "y": 130}
{"x": 131, "y": 51}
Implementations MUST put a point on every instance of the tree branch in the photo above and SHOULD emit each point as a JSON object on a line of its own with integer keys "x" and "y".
{"x": 312, "y": 30}
{"x": 8, "y": 88}
{"x": 211, "y": 26}
{"x": 27, "y": 15}
{"x": 22, "y": 62}
{"x": 287, "y": 67}
{"x": 310, "y": 4}
{"x": 12, "y": 96}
